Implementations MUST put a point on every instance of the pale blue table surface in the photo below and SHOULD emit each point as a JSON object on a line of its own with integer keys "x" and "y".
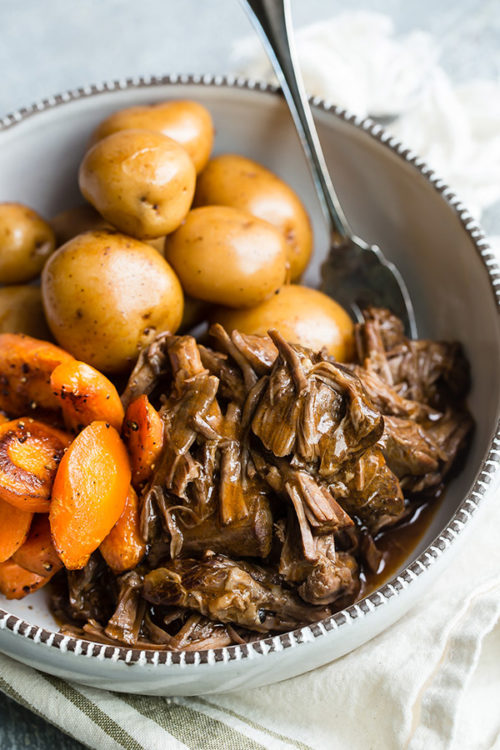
{"x": 48, "y": 46}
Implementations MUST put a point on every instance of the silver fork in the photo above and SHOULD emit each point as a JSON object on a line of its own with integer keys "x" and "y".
{"x": 356, "y": 274}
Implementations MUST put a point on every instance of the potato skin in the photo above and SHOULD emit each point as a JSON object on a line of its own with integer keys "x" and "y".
{"x": 106, "y": 295}
{"x": 21, "y": 311}
{"x": 183, "y": 120}
{"x": 26, "y": 241}
{"x": 302, "y": 315}
{"x": 227, "y": 257}
{"x": 233, "y": 180}
{"x": 76, "y": 220}
{"x": 140, "y": 181}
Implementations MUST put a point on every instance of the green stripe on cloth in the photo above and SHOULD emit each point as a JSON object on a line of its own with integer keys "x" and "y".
{"x": 254, "y": 725}
{"x": 193, "y": 728}
{"x": 95, "y": 714}
{"x": 18, "y": 698}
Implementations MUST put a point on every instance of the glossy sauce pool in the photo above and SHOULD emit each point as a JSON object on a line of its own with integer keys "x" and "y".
{"x": 397, "y": 544}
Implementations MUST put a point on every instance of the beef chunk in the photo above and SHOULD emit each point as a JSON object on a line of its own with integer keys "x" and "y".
{"x": 325, "y": 575}
{"x": 125, "y": 624}
{"x": 227, "y": 591}
{"x": 151, "y": 367}
{"x": 421, "y": 455}
{"x": 314, "y": 409}
{"x": 428, "y": 372}
{"x": 367, "y": 488}
{"x": 91, "y": 593}
{"x": 249, "y": 536}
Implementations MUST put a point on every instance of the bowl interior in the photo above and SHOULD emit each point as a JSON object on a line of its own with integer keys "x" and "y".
{"x": 387, "y": 200}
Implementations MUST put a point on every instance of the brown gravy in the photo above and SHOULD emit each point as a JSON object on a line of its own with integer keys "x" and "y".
{"x": 397, "y": 544}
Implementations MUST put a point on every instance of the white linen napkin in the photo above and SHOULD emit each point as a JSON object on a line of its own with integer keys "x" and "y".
{"x": 356, "y": 61}
{"x": 432, "y": 680}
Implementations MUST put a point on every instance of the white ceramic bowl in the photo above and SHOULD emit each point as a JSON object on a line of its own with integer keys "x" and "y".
{"x": 391, "y": 198}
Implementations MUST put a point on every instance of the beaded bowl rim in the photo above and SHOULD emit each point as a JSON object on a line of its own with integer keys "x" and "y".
{"x": 463, "y": 514}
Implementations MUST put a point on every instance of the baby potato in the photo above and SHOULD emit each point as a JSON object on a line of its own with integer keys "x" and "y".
{"x": 158, "y": 243}
{"x": 107, "y": 295}
{"x": 67, "y": 224}
{"x": 302, "y": 315}
{"x": 140, "y": 181}
{"x": 185, "y": 121}
{"x": 26, "y": 241}
{"x": 21, "y": 311}
{"x": 227, "y": 257}
{"x": 232, "y": 180}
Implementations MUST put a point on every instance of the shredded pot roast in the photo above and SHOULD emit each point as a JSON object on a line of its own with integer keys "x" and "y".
{"x": 280, "y": 467}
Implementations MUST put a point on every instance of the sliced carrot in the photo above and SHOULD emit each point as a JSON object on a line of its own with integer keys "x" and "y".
{"x": 16, "y": 582}
{"x": 30, "y": 452}
{"x": 25, "y": 368}
{"x": 85, "y": 395}
{"x": 143, "y": 434}
{"x": 38, "y": 554}
{"x": 14, "y": 527}
{"x": 89, "y": 493}
{"x": 4, "y": 418}
{"x": 124, "y": 547}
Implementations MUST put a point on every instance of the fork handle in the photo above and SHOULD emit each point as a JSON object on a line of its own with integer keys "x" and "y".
{"x": 272, "y": 21}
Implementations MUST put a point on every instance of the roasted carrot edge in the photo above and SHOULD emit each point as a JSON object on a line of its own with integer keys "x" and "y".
{"x": 16, "y": 582}
{"x": 38, "y": 554}
{"x": 30, "y": 452}
{"x": 85, "y": 395}
{"x": 26, "y": 364}
{"x": 124, "y": 547}
{"x": 143, "y": 435}
{"x": 14, "y": 527}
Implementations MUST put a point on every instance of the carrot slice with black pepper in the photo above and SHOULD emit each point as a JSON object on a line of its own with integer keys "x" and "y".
{"x": 38, "y": 554}
{"x": 143, "y": 435}
{"x": 85, "y": 395}
{"x": 89, "y": 493}
{"x": 30, "y": 452}
{"x": 16, "y": 582}
{"x": 25, "y": 368}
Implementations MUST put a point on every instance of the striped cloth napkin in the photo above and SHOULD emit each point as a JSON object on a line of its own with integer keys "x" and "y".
{"x": 431, "y": 681}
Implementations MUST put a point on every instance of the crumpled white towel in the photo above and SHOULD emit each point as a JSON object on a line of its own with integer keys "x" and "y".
{"x": 356, "y": 61}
